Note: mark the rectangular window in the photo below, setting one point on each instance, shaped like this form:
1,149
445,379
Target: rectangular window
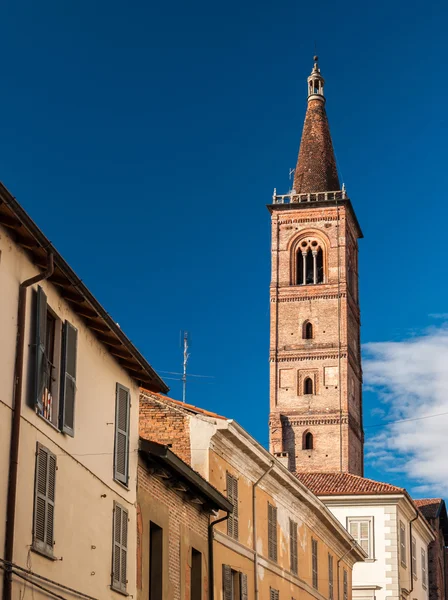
55,367
272,532
156,562
330,577
232,495
345,583
44,496
234,584
414,557
274,594
314,563
402,544
196,575
120,548
293,546
121,452
424,570
361,531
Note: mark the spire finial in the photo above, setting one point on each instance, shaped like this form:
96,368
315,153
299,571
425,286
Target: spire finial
316,82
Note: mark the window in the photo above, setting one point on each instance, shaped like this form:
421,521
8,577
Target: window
274,594
293,546
414,557
121,451
307,333
234,584
402,544
330,577
55,367
345,583
272,532
424,569
156,562
307,441
196,575
120,548
44,495
308,386
314,564
310,263
232,495
361,530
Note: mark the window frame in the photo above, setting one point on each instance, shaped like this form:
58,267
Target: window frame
371,529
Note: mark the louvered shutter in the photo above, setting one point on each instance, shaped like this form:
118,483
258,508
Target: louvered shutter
40,341
120,548
44,498
402,544
272,532
229,487
121,455
414,557
273,594
68,379
243,586
315,564
227,582
330,577
235,508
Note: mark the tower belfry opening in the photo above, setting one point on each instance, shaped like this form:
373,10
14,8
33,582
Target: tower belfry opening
315,368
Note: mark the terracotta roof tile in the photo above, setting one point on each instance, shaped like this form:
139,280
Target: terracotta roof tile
336,484
429,507
184,405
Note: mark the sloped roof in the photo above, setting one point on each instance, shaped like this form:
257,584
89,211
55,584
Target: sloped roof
429,507
183,405
339,484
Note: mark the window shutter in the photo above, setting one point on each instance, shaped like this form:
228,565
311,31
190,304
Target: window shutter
229,488
44,497
227,582
121,458
235,508
120,548
330,577
68,379
272,532
414,557
293,546
243,586
314,563
41,335
273,594
402,544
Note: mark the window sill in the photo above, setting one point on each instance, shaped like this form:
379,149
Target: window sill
126,487
49,422
48,555
114,589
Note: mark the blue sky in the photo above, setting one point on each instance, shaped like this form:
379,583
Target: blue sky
145,140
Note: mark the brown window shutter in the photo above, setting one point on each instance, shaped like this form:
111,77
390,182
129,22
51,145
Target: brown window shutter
121,454
273,594
272,532
229,488
227,582
243,586
68,379
232,495
40,341
293,546
120,548
44,500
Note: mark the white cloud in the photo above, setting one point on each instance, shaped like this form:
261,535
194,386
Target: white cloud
411,379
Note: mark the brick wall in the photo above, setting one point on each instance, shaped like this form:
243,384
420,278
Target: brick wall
185,526
436,563
166,424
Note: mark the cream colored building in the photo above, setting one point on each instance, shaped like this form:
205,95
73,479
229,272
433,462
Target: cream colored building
68,514
281,542
385,521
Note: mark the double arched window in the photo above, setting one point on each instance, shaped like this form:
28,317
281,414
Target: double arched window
308,386
307,440
310,263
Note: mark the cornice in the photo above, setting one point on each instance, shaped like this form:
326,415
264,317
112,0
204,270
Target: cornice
300,357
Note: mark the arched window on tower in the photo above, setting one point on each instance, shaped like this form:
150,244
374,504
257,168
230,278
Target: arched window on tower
308,386
307,333
310,263
307,441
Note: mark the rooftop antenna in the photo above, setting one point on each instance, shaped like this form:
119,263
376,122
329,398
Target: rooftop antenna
185,342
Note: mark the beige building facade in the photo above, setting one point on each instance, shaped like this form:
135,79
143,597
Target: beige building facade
69,390
280,542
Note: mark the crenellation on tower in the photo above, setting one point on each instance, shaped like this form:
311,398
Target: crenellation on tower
315,363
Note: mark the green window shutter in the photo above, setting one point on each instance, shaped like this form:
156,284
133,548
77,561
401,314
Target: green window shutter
40,340
120,548
121,454
243,586
227,582
68,379
44,500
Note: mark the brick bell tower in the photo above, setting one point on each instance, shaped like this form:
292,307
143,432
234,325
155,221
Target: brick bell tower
315,363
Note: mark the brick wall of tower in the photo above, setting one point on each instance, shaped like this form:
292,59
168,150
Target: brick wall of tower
336,379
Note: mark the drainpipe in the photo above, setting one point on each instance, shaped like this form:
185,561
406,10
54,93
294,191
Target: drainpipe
15,427
254,527
211,572
411,588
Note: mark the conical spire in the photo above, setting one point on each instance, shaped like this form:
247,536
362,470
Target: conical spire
316,165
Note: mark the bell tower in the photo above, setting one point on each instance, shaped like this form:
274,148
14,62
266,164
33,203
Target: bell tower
315,362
